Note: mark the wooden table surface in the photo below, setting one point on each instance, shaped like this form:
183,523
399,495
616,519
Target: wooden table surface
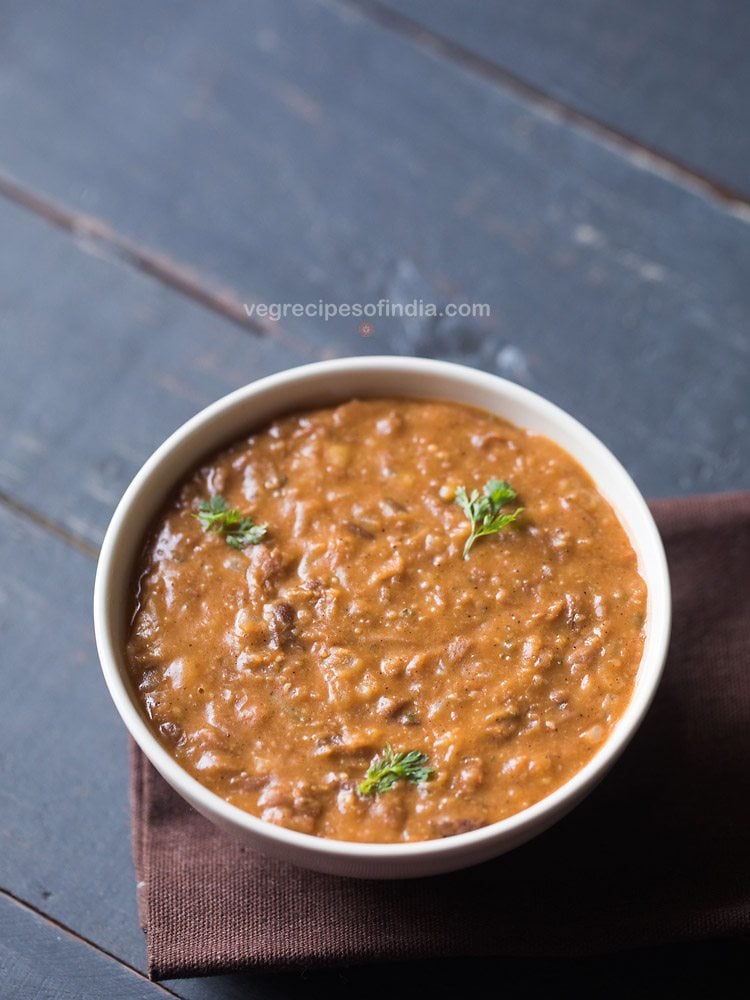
583,167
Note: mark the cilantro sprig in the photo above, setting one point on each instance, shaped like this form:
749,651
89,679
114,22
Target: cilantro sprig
385,771
484,510
239,530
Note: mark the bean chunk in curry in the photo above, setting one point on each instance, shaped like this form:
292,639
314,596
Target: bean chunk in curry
313,640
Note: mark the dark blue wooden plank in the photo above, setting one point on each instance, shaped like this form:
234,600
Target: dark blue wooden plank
297,151
99,364
39,961
64,835
672,75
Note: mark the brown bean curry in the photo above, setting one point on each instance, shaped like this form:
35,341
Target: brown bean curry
310,643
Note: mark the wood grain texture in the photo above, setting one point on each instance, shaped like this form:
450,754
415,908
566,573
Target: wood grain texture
99,364
673,76
39,961
292,152
64,836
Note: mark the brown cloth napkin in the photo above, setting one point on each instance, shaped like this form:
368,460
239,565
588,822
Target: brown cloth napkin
657,854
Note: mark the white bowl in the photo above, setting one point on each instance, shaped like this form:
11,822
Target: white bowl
320,384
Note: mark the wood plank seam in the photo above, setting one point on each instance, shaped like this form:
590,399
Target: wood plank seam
95,232
641,156
83,940
48,525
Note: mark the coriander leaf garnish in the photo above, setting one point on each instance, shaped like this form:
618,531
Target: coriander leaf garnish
385,771
239,530
484,509
213,514
246,534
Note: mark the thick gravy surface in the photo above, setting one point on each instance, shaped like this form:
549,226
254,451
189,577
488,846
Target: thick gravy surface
288,668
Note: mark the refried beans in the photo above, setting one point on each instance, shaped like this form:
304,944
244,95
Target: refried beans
310,643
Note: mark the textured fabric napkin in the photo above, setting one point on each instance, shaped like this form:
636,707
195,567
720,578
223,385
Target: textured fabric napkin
657,854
